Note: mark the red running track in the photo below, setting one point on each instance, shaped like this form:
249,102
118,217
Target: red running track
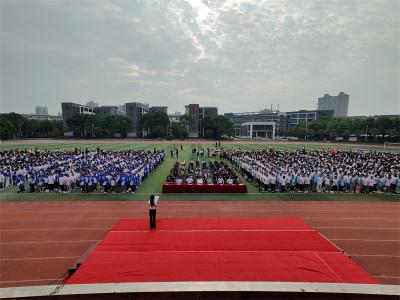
39,241
268,249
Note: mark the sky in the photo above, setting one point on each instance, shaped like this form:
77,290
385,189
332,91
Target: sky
238,55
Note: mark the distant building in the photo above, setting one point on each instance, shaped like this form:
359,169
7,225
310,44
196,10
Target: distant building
122,110
163,109
174,118
208,112
339,104
134,112
265,130
107,110
92,104
41,110
283,120
301,116
196,114
193,112
268,115
42,117
69,109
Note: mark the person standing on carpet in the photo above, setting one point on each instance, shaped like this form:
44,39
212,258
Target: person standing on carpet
153,203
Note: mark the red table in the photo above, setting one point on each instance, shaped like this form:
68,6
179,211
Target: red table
203,188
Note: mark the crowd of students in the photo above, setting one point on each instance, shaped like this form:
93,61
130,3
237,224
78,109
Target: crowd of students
88,171
216,172
319,171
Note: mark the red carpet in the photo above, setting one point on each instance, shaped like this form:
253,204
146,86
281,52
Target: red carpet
217,250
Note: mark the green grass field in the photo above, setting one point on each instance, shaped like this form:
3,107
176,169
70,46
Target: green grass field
153,184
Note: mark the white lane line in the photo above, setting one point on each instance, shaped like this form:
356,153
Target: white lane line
375,255
56,229
210,251
328,266
364,240
32,280
42,242
366,228
39,258
63,220
180,212
220,230
241,210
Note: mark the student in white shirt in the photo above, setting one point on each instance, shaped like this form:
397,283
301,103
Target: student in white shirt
153,204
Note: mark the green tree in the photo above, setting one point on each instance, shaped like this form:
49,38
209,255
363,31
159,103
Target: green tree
155,123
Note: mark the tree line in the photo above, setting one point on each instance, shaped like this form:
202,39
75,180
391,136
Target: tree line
155,124
14,125
158,125
370,129
96,126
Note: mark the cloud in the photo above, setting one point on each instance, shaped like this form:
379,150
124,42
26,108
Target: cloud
135,71
240,54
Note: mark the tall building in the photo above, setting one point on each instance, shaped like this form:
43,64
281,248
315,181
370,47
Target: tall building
339,104
41,110
107,110
193,112
301,116
208,112
69,109
134,112
163,109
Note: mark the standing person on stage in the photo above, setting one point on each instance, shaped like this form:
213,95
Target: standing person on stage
153,203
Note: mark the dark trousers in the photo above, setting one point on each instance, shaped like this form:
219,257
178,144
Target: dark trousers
152,214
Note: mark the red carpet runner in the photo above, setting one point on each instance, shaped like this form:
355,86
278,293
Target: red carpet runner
217,250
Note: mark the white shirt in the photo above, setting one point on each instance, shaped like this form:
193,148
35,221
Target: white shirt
156,198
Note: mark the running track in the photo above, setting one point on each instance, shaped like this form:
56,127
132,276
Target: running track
39,241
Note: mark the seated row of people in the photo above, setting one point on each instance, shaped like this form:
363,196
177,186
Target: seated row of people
200,173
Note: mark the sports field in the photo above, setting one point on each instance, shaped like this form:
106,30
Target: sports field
43,234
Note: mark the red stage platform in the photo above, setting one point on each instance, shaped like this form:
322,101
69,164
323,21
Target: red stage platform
204,188
278,249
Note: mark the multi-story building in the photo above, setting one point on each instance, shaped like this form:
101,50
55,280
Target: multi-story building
264,130
41,110
107,110
193,112
196,114
174,118
339,104
301,116
134,112
208,112
265,115
283,120
69,109
42,117
163,109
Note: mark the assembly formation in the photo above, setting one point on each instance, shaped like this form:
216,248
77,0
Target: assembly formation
271,170
88,171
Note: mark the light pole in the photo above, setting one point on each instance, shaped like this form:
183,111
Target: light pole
305,133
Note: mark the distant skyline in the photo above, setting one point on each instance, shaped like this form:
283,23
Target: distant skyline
238,55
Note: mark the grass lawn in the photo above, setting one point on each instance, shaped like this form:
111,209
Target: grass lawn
154,183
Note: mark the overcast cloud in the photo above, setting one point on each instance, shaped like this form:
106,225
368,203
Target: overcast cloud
238,55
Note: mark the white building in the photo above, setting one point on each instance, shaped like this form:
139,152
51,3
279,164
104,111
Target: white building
251,130
41,110
339,104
